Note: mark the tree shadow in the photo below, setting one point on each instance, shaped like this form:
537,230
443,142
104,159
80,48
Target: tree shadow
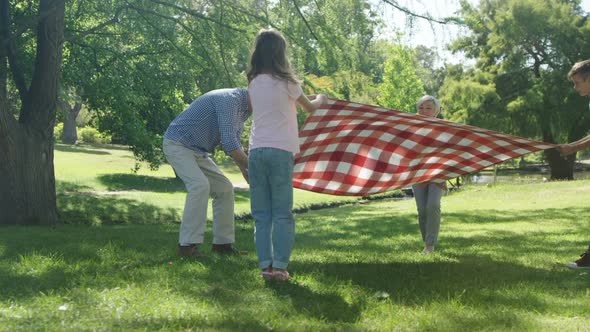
109,253
226,289
473,281
78,149
241,195
127,181
99,258
86,208
328,306
373,231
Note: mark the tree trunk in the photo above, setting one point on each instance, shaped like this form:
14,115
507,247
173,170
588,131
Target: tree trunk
27,178
561,168
70,132
27,190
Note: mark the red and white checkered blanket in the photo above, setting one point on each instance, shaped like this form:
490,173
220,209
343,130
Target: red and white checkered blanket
356,150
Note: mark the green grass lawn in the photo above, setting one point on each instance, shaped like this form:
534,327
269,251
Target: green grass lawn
357,267
96,185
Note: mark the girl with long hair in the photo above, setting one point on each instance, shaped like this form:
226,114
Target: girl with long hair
274,92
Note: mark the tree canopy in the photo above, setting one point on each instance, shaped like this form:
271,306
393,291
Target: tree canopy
136,64
523,51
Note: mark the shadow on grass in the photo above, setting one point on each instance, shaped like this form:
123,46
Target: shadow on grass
328,306
79,149
87,208
371,231
471,285
241,195
475,291
55,259
128,181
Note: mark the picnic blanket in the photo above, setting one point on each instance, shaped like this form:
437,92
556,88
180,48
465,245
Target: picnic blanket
352,149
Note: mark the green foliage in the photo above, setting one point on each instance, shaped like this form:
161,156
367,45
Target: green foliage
84,117
57,132
526,48
93,136
472,99
142,69
432,77
96,184
149,59
401,87
136,64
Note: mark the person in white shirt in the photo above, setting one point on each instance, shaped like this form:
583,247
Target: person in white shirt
274,93
580,76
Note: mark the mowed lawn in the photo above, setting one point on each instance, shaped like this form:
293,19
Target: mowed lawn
356,267
96,185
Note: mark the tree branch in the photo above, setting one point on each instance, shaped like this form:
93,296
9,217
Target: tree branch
9,50
444,20
195,13
186,28
305,20
39,106
27,25
222,48
83,34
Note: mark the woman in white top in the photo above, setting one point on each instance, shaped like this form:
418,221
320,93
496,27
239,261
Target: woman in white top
274,93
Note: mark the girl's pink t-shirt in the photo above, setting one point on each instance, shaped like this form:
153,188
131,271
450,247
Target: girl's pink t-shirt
274,113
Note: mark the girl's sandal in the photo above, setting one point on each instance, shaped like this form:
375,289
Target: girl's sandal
281,275
267,274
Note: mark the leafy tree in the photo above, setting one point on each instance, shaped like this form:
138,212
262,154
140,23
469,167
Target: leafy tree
528,46
471,98
432,77
401,87
137,63
148,59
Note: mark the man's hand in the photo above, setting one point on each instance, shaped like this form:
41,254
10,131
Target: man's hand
241,159
244,171
566,149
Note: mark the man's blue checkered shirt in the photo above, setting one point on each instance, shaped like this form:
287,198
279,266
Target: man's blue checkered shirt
215,117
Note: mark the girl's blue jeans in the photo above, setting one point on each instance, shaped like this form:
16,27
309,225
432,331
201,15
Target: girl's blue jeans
271,200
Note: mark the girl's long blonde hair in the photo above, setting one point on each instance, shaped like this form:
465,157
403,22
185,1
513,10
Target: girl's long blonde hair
270,57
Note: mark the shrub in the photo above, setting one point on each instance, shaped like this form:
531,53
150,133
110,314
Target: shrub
91,135
57,131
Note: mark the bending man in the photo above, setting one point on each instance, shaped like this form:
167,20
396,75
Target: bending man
215,118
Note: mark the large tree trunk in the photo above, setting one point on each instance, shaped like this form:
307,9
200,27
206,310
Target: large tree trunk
27,179
561,168
27,191
70,132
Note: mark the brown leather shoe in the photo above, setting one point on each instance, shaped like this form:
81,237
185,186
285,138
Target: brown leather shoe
190,251
227,249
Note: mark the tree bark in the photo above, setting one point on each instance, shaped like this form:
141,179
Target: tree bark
561,168
27,191
27,178
70,132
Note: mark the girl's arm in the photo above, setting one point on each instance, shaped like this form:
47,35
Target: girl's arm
312,105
